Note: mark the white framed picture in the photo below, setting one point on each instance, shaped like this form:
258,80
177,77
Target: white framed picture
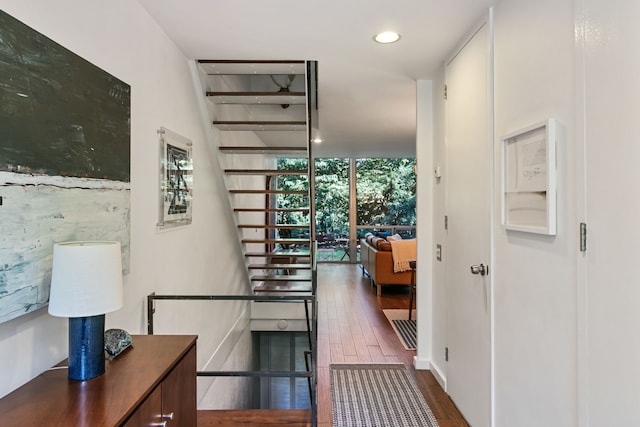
529,178
176,179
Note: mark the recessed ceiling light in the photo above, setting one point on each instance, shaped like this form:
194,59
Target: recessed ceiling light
387,37
317,140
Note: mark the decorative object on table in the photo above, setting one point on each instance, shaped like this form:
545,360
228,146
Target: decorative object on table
116,341
377,395
529,178
176,179
64,160
86,283
404,328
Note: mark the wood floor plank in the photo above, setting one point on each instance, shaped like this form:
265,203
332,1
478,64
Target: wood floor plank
334,332
324,351
337,356
255,417
376,356
347,340
324,396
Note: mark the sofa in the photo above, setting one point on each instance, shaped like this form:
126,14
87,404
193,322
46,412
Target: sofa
377,263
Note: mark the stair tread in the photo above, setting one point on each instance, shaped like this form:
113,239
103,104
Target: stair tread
301,254
266,171
279,266
244,191
273,210
279,287
261,150
280,226
255,417
259,122
239,94
281,278
277,241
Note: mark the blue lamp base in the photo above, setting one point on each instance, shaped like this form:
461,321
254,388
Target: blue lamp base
86,347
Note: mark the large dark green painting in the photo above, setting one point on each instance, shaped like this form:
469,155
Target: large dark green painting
64,160
59,114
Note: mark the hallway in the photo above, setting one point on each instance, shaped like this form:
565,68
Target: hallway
353,329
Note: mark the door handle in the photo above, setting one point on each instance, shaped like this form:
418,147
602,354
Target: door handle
481,269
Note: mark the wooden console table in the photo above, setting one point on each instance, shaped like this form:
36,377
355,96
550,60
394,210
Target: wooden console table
151,383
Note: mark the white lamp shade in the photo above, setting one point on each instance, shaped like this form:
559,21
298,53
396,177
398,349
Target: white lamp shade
86,279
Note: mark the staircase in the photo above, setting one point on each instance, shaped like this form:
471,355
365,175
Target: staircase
264,116
262,113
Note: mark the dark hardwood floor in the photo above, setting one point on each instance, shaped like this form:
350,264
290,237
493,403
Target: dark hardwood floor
353,329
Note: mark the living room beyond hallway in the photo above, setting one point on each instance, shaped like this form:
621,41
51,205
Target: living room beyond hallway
352,328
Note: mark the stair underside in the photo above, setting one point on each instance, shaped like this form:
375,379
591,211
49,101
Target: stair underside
281,151
239,67
292,125
258,98
255,417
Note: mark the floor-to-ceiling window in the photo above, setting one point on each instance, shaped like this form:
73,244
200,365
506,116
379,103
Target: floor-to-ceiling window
386,196
353,197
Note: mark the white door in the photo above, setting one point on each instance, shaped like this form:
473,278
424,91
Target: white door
469,198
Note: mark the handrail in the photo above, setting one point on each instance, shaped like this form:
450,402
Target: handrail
312,328
312,132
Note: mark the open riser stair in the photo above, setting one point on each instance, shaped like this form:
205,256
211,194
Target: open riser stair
262,114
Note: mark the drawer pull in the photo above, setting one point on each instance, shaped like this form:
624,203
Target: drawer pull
168,416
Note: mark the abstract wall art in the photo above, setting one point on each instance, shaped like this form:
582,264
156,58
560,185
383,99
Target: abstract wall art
64,160
176,179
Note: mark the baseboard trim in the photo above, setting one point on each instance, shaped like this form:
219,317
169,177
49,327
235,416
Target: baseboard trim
439,376
421,364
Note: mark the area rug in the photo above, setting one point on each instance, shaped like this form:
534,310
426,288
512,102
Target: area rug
404,328
377,395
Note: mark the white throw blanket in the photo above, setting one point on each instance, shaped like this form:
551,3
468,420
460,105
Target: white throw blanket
403,251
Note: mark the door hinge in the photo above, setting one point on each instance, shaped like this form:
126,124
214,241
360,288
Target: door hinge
583,237
445,91
446,354
446,222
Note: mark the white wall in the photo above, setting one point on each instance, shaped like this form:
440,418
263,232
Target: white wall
534,275
431,153
202,258
424,211
608,35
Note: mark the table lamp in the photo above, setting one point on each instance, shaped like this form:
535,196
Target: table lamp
86,283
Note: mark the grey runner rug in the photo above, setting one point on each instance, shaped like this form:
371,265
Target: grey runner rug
381,395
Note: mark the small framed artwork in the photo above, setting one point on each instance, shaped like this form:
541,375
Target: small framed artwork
176,179
529,178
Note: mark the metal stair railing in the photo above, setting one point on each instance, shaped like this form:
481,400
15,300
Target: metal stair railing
312,327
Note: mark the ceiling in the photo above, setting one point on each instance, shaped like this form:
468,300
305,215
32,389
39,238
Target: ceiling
366,91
